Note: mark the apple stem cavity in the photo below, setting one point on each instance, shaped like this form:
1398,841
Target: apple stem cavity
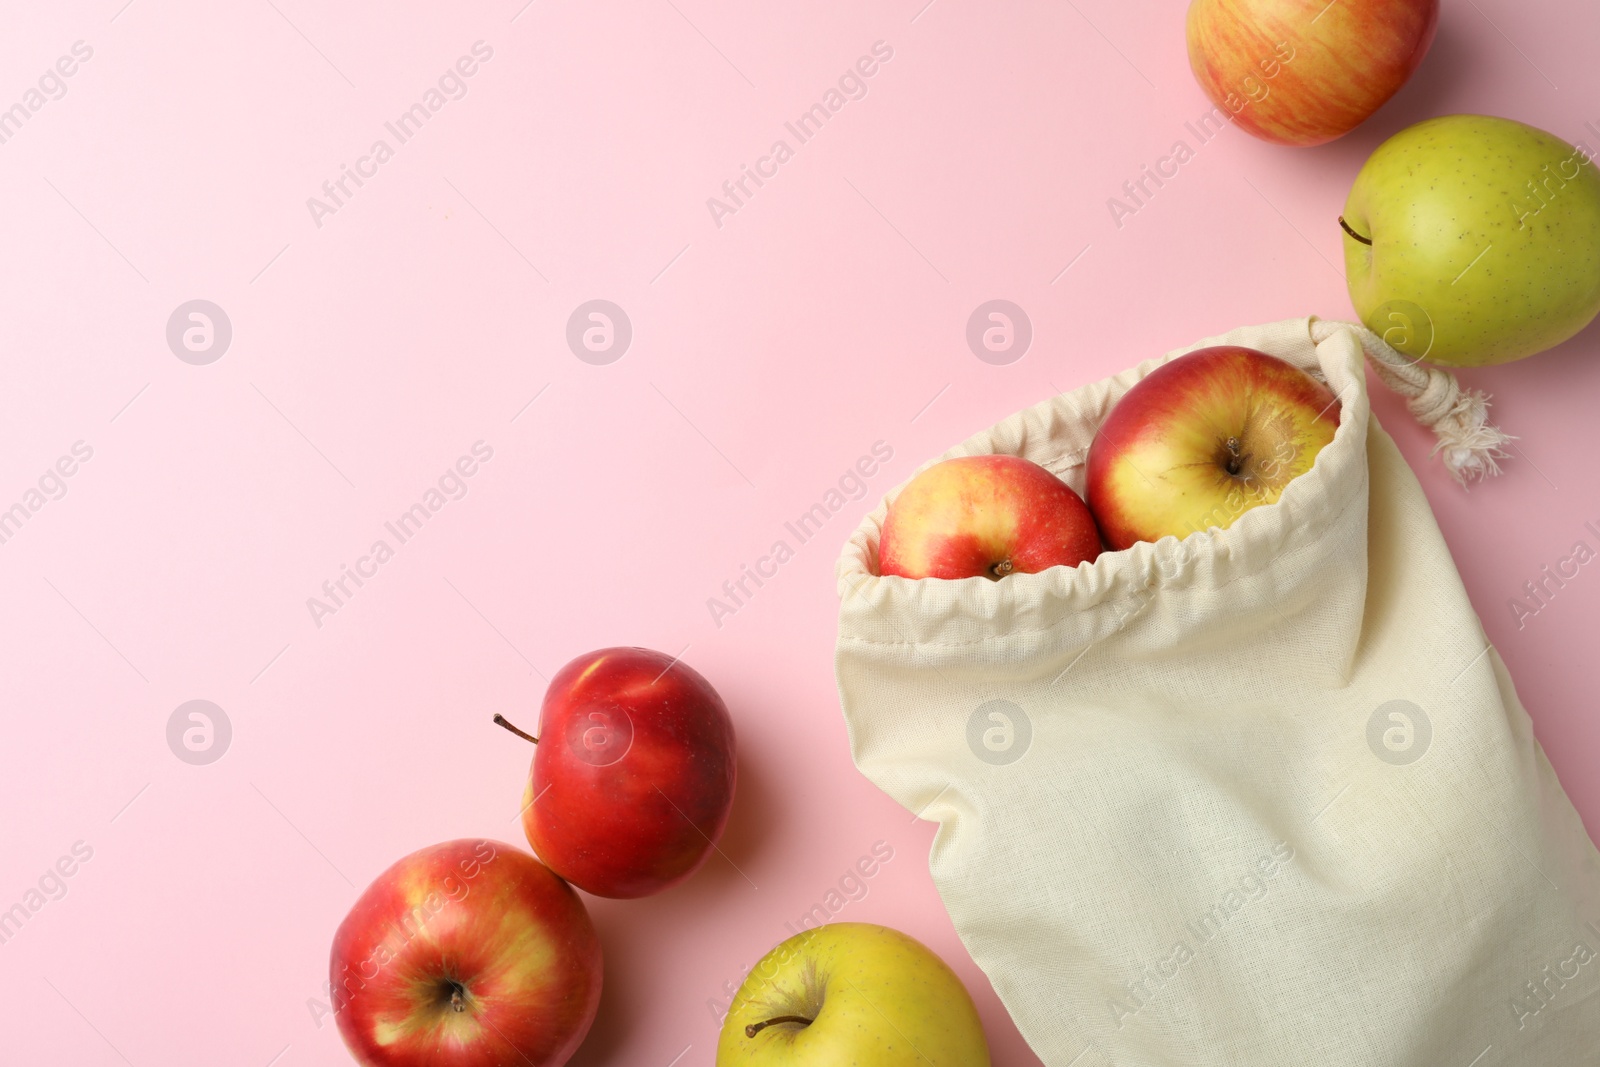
755,1028
1352,233
501,719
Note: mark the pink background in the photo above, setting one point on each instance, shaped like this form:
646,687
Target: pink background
768,354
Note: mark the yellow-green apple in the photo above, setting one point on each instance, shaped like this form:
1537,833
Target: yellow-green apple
1202,439
988,516
1472,240
470,953
852,993
1302,72
633,776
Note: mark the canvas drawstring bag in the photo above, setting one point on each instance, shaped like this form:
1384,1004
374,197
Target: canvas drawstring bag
1260,797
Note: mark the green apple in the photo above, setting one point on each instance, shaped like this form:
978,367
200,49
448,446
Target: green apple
852,993
1472,240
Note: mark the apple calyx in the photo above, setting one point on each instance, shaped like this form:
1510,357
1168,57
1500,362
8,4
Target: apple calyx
458,995
755,1028
501,720
1001,568
1352,233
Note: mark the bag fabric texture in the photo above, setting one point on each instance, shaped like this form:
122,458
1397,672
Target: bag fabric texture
1262,796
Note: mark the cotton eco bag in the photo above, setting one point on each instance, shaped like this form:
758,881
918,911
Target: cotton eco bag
1264,796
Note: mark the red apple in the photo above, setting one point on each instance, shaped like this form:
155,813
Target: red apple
1202,439
466,954
634,774
1303,72
988,516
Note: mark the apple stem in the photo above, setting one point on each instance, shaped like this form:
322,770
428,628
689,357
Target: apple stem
755,1028
1352,233
457,1002
501,719
1234,459
1001,569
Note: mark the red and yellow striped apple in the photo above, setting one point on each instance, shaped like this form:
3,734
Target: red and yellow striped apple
986,516
633,776
1303,72
470,953
1202,439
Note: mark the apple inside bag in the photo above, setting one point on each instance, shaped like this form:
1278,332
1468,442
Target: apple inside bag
1264,794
